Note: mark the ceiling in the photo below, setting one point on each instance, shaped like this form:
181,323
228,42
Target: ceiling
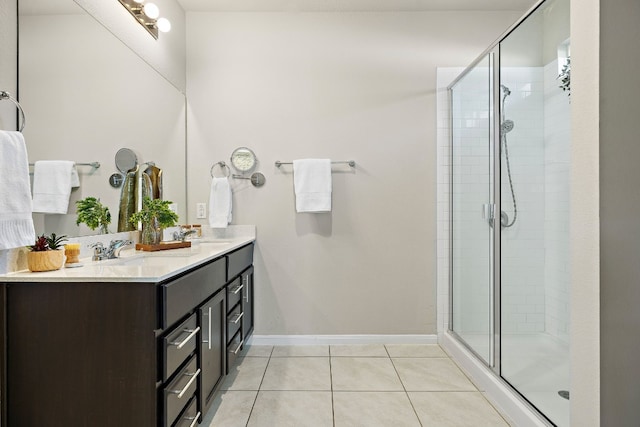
351,5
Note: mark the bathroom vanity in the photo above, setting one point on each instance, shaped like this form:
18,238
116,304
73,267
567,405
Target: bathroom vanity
144,340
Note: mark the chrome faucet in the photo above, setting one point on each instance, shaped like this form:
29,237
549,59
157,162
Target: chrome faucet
182,234
113,251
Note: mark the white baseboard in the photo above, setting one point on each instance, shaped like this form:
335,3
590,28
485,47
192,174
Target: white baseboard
508,402
341,339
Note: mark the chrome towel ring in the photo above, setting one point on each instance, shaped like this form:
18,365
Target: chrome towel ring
222,165
6,95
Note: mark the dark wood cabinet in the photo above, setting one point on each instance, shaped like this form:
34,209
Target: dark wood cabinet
247,302
212,347
137,354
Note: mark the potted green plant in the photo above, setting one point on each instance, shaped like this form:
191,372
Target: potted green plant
47,253
93,213
154,216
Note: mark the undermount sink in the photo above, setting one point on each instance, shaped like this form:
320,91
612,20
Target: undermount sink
149,258
221,242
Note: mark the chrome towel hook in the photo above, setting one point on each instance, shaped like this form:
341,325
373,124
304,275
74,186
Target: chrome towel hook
6,95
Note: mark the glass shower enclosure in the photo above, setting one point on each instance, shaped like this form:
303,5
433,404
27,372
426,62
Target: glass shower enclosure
509,216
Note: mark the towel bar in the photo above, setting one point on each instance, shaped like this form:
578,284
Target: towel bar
6,95
351,163
95,165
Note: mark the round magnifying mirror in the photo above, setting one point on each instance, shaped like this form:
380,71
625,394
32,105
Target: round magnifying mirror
115,180
126,160
243,159
258,179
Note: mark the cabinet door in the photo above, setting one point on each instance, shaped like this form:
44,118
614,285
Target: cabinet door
212,316
247,303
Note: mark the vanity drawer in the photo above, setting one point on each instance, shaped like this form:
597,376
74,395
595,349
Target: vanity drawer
239,260
190,416
178,345
179,392
234,320
234,292
187,292
233,351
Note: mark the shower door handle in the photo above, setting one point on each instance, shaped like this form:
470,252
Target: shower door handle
488,212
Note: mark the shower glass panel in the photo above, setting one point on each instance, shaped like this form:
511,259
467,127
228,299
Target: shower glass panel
534,265
472,207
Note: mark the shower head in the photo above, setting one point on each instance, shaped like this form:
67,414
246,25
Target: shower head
506,126
506,90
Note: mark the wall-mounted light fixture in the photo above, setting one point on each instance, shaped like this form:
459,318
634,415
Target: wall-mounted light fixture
147,15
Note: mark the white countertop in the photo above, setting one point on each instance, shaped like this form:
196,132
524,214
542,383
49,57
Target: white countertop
137,266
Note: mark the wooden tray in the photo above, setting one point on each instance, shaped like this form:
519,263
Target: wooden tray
162,246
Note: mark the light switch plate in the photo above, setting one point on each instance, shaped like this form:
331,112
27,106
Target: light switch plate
201,210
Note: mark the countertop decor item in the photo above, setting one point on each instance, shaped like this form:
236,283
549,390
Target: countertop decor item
72,252
47,253
154,216
565,77
162,246
93,213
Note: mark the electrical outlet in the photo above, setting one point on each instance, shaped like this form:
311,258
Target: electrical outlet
201,210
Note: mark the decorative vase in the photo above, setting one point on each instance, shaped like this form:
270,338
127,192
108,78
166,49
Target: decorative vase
151,233
45,260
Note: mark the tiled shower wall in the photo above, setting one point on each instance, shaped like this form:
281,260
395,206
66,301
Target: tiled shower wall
535,250
557,136
522,250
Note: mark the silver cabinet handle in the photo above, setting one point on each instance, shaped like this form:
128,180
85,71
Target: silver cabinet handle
246,294
181,393
239,347
238,317
209,328
195,420
237,289
192,333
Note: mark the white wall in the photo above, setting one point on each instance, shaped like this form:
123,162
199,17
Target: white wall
166,54
9,62
346,86
584,213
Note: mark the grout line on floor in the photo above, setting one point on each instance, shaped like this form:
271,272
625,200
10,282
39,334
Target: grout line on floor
259,387
403,387
333,409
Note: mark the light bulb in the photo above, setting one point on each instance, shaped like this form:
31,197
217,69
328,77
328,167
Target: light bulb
164,25
151,10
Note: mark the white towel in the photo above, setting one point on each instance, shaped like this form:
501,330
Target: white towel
312,185
16,222
52,183
220,205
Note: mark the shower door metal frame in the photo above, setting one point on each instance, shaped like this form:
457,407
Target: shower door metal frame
494,365
494,52
495,166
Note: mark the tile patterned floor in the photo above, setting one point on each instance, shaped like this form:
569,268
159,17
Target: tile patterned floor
349,386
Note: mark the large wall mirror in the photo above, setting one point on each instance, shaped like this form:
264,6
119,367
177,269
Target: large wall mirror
87,95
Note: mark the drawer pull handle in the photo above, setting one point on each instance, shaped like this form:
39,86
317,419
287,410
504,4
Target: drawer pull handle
237,289
209,340
238,317
181,393
192,333
239,347
194,419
